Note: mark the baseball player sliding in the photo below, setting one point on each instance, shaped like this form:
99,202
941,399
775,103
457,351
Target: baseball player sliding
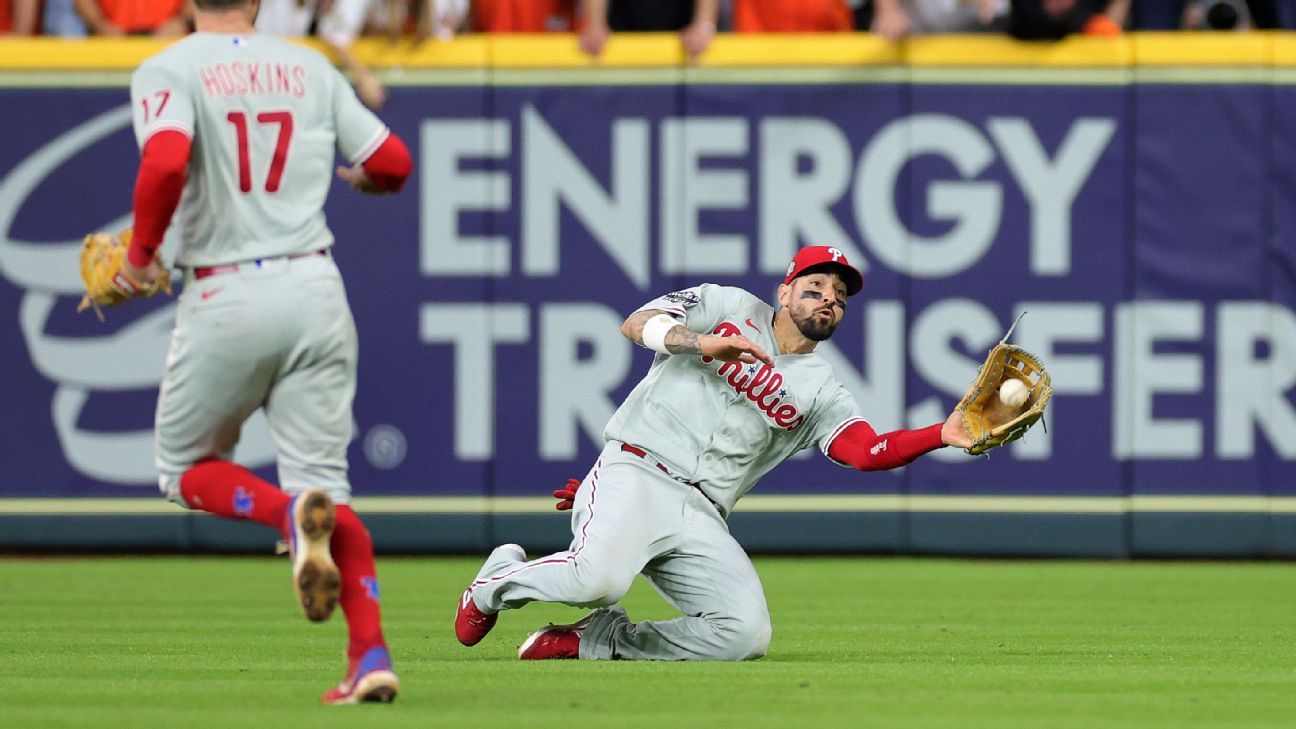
736,388
238,132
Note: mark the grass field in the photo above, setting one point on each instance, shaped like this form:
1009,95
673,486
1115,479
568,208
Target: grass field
217,642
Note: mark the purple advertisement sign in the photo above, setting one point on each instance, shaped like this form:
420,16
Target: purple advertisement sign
1148,230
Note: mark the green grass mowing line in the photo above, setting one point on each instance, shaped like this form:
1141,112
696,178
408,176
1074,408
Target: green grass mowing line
216,642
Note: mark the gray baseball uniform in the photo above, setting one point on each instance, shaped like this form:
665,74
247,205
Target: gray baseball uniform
689,441
263,320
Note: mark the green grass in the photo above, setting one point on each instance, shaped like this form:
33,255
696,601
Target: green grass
217,642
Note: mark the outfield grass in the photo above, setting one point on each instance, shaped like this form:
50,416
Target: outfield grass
217,642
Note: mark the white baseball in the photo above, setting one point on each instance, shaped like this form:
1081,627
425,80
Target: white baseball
1013,393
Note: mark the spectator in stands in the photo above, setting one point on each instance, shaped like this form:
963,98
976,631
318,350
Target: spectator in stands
60,18
162,18
523,16
695,19
791,16
959,16
439,19
895,19
1213,14
338,24
18,17
1055,19
1217,15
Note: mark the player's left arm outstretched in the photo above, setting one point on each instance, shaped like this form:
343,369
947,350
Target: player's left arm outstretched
853,442
864,449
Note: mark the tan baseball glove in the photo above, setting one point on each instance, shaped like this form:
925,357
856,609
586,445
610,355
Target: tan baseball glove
990,420
106,281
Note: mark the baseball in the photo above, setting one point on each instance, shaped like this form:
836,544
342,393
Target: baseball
1013,393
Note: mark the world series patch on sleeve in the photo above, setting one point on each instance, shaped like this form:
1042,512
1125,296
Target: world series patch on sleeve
1008,396
106,282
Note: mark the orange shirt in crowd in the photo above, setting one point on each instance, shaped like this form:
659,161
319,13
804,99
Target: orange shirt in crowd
791,16
523,16
6,16
139,15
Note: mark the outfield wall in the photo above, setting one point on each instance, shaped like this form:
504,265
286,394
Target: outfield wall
1134,195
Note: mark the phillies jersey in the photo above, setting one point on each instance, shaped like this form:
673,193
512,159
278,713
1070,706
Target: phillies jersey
724,425
264,117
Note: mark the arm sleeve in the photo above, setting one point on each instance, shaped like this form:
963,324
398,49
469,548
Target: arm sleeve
158,187
359,131
857,445
390,165
848,440
699,308
160,101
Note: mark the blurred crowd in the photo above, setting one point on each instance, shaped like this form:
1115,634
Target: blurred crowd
340,22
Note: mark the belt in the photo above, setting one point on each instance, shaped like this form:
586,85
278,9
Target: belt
200,272
637,451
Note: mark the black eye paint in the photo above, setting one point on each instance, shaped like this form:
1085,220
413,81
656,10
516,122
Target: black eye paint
812,295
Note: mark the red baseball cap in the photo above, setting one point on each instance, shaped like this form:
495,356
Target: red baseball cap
815,258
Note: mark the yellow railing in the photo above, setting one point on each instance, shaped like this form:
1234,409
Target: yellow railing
657,50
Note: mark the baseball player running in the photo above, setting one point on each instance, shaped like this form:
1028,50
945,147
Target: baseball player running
735,389
238,132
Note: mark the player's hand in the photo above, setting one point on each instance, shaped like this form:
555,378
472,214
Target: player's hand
567,495
355,177
143,277
736,348
953,433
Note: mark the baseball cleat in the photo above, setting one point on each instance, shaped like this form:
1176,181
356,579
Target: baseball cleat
554,642
368,679
315,577
471,623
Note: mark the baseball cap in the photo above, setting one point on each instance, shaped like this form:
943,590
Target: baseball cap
814,258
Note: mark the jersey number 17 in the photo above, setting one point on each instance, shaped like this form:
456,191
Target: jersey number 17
285,121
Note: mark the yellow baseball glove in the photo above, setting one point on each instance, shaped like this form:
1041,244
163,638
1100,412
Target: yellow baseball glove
991,420
106,281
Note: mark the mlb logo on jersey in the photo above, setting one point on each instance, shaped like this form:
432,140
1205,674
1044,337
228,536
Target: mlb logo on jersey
683,298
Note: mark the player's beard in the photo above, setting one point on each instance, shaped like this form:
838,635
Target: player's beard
814,330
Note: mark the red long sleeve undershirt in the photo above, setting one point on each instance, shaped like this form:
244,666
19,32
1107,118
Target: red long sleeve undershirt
390,165
164,164
860,447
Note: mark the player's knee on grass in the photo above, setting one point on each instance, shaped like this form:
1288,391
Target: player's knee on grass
743,636
597,586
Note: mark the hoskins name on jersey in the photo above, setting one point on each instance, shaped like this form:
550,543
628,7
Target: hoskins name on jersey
763,386
270,79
